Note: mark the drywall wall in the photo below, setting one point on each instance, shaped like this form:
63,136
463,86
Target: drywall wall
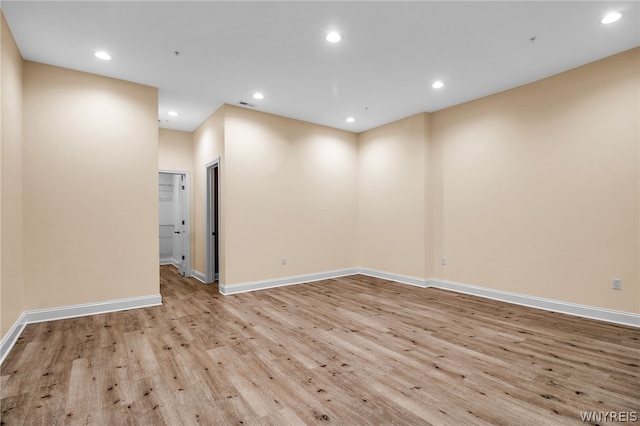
485,184
11,256
391,197
208,145
175,150
290,190
90,188
539,192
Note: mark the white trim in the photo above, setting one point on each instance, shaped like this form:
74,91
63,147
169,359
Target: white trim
198,276
403,279
173,172
585,311
279,282
11,337
602,314
172,262
73,311
34,316
209,275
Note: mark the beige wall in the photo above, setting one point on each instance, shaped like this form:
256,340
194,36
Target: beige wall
288,189
90,188
11,256
539,191
509,188
391,197
291,191
175,150
208,145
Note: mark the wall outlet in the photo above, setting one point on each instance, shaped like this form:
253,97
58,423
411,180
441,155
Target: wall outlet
617,284
443,261
284,260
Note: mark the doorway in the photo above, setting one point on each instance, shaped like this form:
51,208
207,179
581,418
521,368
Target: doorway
174,213
213,222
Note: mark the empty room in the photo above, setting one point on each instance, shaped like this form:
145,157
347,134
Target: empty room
301,212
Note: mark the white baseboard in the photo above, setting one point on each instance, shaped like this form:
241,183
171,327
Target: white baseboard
586,311
608,315
11,337
96,308
198,276
279,282
403,279
300,279
73,311
618,317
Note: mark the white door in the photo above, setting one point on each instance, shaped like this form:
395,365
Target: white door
174,222
180,223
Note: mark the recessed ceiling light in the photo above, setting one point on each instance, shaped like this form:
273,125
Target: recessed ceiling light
437,84
173,113
612,17
101,54
334,37
350,119
258,95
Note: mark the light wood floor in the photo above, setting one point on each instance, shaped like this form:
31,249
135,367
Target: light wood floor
354,350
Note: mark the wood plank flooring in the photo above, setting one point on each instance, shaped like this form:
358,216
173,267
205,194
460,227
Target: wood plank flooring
349,351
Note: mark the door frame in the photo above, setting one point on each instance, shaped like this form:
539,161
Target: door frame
210,223
187,217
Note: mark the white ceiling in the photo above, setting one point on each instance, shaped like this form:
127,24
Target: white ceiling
381,71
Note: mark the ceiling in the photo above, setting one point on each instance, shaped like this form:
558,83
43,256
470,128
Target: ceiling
382,70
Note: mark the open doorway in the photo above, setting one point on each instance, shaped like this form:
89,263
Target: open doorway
174,209
213,222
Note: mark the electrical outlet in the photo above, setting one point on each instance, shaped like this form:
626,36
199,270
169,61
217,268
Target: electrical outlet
443,261
617,284
284,260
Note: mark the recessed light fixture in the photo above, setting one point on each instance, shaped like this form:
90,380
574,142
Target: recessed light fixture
437,84
101,54
334,37
173,113
612,17
258,95
350,119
